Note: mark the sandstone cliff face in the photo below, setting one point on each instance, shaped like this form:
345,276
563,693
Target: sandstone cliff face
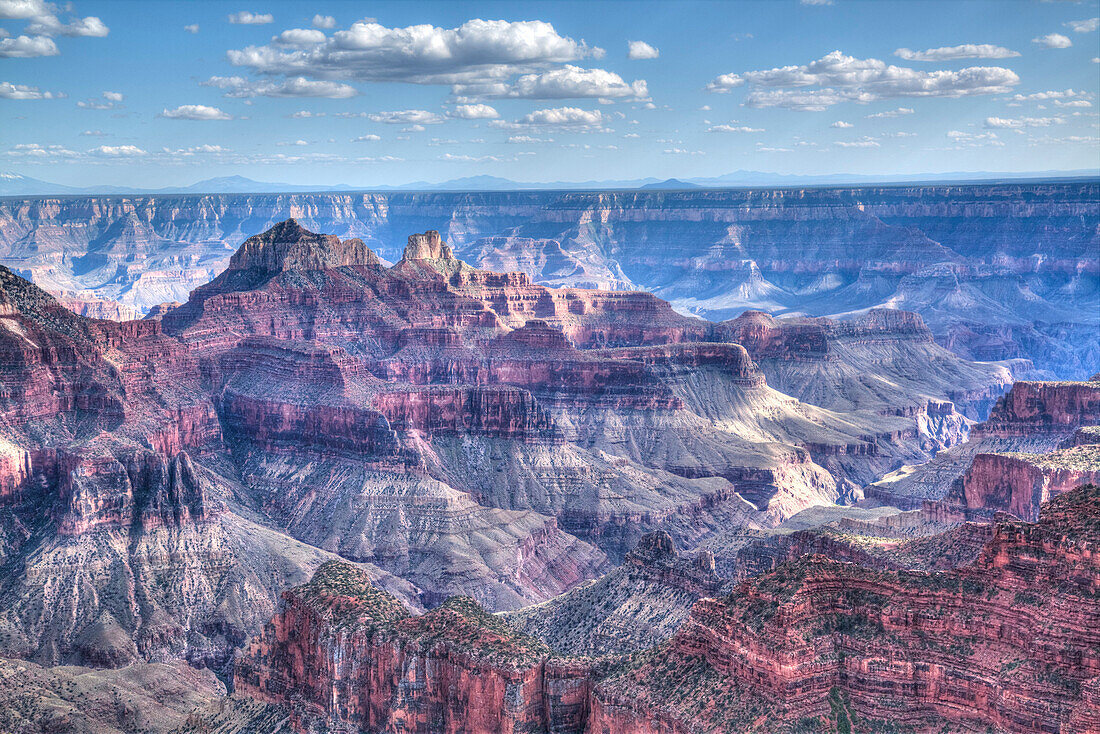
1009,642
346,653
1032,418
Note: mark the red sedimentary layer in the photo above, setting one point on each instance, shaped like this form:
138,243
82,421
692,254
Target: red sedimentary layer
1033,407
1012,641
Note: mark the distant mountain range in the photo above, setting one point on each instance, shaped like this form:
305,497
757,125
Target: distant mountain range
16,184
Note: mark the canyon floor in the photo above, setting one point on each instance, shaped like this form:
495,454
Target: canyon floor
323,492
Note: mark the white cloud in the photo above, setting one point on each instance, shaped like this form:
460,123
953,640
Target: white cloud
477,53
1073,103
195,112
681,151
1083,26
641,50
305,115
816,2
1022,122
734,129
1053,94
299,38
891,113
25,92
528,140
369,138
724,83
974,140
413,129
27,47
246,18
468,158
864,142
401,117
474,112
324,21
237,86
842,78
193,28
563,117
1053,40
287,143
94,134
117,151
841,124
111,102
965,51
567,82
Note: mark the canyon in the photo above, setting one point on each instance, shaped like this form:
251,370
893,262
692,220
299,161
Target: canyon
1009,642
997,271
426,496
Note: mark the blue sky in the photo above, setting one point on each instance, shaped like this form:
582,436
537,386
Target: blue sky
165,93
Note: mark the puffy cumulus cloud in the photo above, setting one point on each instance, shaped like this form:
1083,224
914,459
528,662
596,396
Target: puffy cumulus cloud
42,20
1022,122
641,50
94,134
406,117
899,112
305,115
567,82
287,143
25,92
479,52
299,38
528,140
195,112
380,159
474,112
113,96
842,78
570,117
840,124
1083,26
324,21
246,18
192,28
974,140
681,151
368,138
27,47
724,83
117,151
238,86
1073,103
734,129
965,51
462,158
1053,40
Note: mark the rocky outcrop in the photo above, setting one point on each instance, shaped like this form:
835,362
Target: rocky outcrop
345,653
289,246
635,606
1009,642
1032,418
